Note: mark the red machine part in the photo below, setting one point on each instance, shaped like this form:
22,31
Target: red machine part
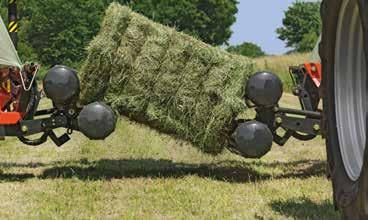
314,70
9,95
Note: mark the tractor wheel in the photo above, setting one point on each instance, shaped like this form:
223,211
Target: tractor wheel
343,52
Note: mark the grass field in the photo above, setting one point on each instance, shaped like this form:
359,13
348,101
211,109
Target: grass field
140,174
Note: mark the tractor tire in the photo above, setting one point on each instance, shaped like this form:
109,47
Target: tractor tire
344,90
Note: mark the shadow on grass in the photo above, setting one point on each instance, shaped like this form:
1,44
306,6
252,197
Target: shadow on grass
229,171
15,177
304,208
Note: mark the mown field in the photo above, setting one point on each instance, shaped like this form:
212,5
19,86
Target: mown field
138,173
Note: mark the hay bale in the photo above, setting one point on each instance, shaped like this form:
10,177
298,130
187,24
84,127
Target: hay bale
165,79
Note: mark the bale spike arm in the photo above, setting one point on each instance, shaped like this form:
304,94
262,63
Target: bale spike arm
253,138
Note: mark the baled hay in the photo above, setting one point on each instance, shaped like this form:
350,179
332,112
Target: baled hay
165,79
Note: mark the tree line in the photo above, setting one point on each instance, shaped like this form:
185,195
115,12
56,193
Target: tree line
58,31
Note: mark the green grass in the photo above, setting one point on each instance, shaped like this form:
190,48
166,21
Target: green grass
138,173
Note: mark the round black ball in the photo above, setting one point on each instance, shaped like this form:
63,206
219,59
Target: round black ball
264,89
61,85
253,139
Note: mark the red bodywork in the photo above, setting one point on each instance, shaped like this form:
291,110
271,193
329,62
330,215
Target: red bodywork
314,70
9,98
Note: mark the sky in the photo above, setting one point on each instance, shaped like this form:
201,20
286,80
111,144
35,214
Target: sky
257,21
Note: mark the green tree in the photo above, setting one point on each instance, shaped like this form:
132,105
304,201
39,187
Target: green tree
25,50
208,20
57,31
247,49
3,11
301,26
309,42
60,30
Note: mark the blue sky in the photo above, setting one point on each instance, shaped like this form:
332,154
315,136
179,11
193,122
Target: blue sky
257,22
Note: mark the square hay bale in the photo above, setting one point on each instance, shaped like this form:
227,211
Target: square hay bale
165,79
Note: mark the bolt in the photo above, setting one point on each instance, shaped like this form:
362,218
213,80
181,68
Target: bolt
24,129
316,127
71,111
314,69
278,120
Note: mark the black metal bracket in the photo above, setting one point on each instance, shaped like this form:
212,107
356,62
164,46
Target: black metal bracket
300,124
303,125
44,126
59,141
